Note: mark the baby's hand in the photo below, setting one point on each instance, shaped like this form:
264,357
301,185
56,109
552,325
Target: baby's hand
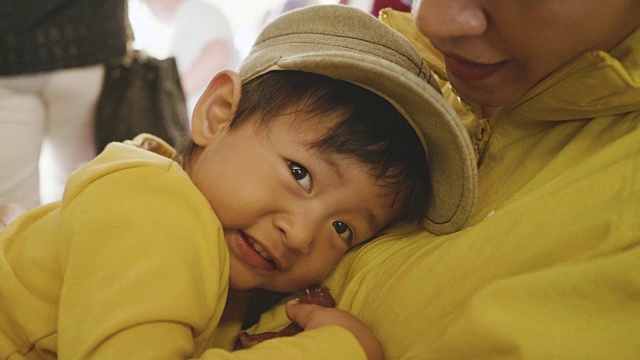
314,310
310,316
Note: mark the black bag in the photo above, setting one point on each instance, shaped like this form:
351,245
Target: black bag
141,94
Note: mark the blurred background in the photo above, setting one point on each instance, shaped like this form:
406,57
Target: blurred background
55,81
245,18
206,36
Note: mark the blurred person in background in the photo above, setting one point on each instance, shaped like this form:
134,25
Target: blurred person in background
51,74
195,32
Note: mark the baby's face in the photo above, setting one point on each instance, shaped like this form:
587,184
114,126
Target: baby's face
289,213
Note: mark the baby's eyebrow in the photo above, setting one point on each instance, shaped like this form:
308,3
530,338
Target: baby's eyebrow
330,160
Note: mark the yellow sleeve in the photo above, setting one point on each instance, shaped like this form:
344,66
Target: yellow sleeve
145,267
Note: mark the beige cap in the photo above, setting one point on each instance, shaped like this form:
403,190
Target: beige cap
345,43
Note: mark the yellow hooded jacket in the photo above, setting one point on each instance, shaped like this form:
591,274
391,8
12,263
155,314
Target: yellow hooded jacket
548,266
131,264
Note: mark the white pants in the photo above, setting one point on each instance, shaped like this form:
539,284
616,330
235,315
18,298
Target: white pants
46,131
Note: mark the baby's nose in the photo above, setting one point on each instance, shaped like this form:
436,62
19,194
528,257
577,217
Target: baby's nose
298,231
442,19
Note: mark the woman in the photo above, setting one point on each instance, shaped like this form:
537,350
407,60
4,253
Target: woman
548,265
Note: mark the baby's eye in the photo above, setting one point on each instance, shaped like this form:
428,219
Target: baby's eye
301,175
344,231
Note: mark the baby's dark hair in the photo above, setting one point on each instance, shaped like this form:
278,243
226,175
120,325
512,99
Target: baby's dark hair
369,129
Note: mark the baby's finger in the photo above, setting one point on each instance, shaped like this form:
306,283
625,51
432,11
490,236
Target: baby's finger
305,315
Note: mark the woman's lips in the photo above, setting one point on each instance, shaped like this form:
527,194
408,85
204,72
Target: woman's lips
250,255
468,71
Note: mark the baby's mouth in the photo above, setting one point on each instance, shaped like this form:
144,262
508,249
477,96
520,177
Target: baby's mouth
258,248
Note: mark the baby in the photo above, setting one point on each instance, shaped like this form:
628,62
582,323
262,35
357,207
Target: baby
317,144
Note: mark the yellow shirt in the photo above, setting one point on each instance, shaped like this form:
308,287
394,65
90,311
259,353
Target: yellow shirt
131,261
131,264
548,267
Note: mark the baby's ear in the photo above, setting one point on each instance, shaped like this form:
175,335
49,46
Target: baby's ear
216,107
